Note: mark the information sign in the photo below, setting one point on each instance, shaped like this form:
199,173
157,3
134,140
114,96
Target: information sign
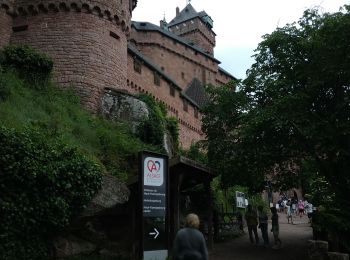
154,172
240,200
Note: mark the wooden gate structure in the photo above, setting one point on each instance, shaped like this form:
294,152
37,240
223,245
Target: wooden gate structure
189,192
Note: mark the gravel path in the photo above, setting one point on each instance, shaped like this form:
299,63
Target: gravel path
294,244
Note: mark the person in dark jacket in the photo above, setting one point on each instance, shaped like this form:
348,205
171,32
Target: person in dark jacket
252,222
263,224
189,242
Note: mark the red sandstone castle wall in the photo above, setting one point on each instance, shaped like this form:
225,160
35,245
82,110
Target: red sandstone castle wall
197,32
222,79
88,43
182,64
199,39
176,58
190,126
87,40
5,24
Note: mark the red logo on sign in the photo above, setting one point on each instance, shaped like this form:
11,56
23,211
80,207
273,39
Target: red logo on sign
153,166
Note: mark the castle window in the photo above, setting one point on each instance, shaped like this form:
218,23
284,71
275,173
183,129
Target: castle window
182,75
162,68
156,79
196,113
185,105
172,91
20,28
114,35
137,66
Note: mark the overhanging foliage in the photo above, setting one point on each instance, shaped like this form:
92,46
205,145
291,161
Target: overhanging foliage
293,107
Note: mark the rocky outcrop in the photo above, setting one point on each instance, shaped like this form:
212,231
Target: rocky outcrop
71,246
117,105
94,232
318,250
113,192
337,256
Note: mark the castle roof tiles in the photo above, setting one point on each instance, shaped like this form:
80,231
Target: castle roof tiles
188,13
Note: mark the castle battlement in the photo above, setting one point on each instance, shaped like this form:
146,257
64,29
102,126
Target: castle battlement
106,9
87,40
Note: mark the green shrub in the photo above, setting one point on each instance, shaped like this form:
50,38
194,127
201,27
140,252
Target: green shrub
4,88
31,65
152,129
43,185
58,113
196,152
172,126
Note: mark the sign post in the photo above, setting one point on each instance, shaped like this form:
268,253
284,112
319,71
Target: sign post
154,179
240,200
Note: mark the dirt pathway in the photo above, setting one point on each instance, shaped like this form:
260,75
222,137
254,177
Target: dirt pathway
294,244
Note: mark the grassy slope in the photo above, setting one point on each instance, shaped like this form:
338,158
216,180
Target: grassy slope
58,113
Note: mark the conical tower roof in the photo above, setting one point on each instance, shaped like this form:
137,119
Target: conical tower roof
187,13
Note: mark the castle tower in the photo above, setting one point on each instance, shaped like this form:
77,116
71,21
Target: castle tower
6,7
195,27
87,40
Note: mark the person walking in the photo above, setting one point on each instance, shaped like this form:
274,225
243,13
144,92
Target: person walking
275,229
309,211
251,218
263,225
301,208
189,243
294,203
289,211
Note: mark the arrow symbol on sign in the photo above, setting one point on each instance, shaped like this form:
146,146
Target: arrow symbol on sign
155,234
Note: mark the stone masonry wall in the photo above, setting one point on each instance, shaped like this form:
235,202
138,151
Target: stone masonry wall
176,58
5,23
196,31
200,39
182,64
87,41
190,126
222,79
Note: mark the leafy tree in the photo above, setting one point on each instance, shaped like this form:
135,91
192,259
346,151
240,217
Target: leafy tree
31,65
292,108
44,185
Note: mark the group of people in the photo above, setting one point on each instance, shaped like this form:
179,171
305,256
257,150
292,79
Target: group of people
189,242
260,219
295,207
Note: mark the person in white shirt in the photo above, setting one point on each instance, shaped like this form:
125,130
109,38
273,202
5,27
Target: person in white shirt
309,211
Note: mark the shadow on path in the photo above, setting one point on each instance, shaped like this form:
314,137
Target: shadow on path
294,244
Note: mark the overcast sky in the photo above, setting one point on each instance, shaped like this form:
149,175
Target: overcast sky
239,24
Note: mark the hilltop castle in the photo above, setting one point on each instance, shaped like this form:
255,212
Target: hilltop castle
95,46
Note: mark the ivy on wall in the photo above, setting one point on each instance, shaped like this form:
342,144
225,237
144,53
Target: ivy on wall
153,128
